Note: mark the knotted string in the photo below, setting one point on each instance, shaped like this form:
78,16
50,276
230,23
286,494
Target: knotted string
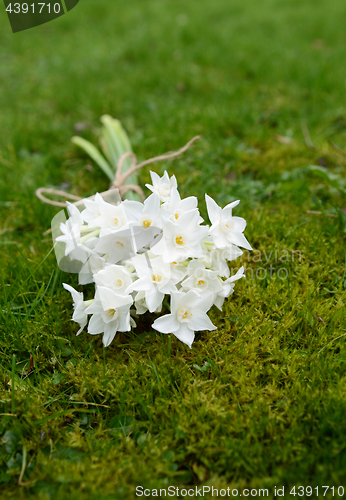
119,180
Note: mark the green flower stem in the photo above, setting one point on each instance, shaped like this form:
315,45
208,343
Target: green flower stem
86,229
89,236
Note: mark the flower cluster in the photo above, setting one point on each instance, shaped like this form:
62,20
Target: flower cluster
140,255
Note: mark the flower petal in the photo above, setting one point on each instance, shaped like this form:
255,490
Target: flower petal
96,324
110,331
112,300
201,321
166,324
239,239
76,296
185,334
154,299
214,211
227,210
239,224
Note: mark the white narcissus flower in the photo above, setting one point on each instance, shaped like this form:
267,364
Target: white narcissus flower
188,314
154,280
202,280
115,277
93,265
141,304
145,214
92,210
79,314
112,218
162,185
228,288
176,207
77,247
181,239
144,219
74,213
117,247
71,238
71,230
178,270
220,256
225,228
110,314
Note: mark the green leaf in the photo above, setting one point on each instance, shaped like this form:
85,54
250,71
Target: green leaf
69,454
120,424
120,421
338,313
94,153
185,476
4,478
65,352
115,143
58,377
204,367
329,177
108,151
11,441
113,140
116,135
141,439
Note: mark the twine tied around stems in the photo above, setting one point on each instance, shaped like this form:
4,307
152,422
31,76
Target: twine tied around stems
119,180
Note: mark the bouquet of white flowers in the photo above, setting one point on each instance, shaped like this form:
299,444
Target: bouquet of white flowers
142,254
138,254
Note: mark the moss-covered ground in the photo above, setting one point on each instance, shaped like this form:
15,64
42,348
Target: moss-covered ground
259,403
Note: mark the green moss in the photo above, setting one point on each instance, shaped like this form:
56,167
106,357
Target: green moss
261,401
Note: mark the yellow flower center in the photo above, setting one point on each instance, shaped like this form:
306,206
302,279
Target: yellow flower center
146,223
111,312
119,243
115,221
179,240
157,278
176,216
184,315
200,282
227,225
119,283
